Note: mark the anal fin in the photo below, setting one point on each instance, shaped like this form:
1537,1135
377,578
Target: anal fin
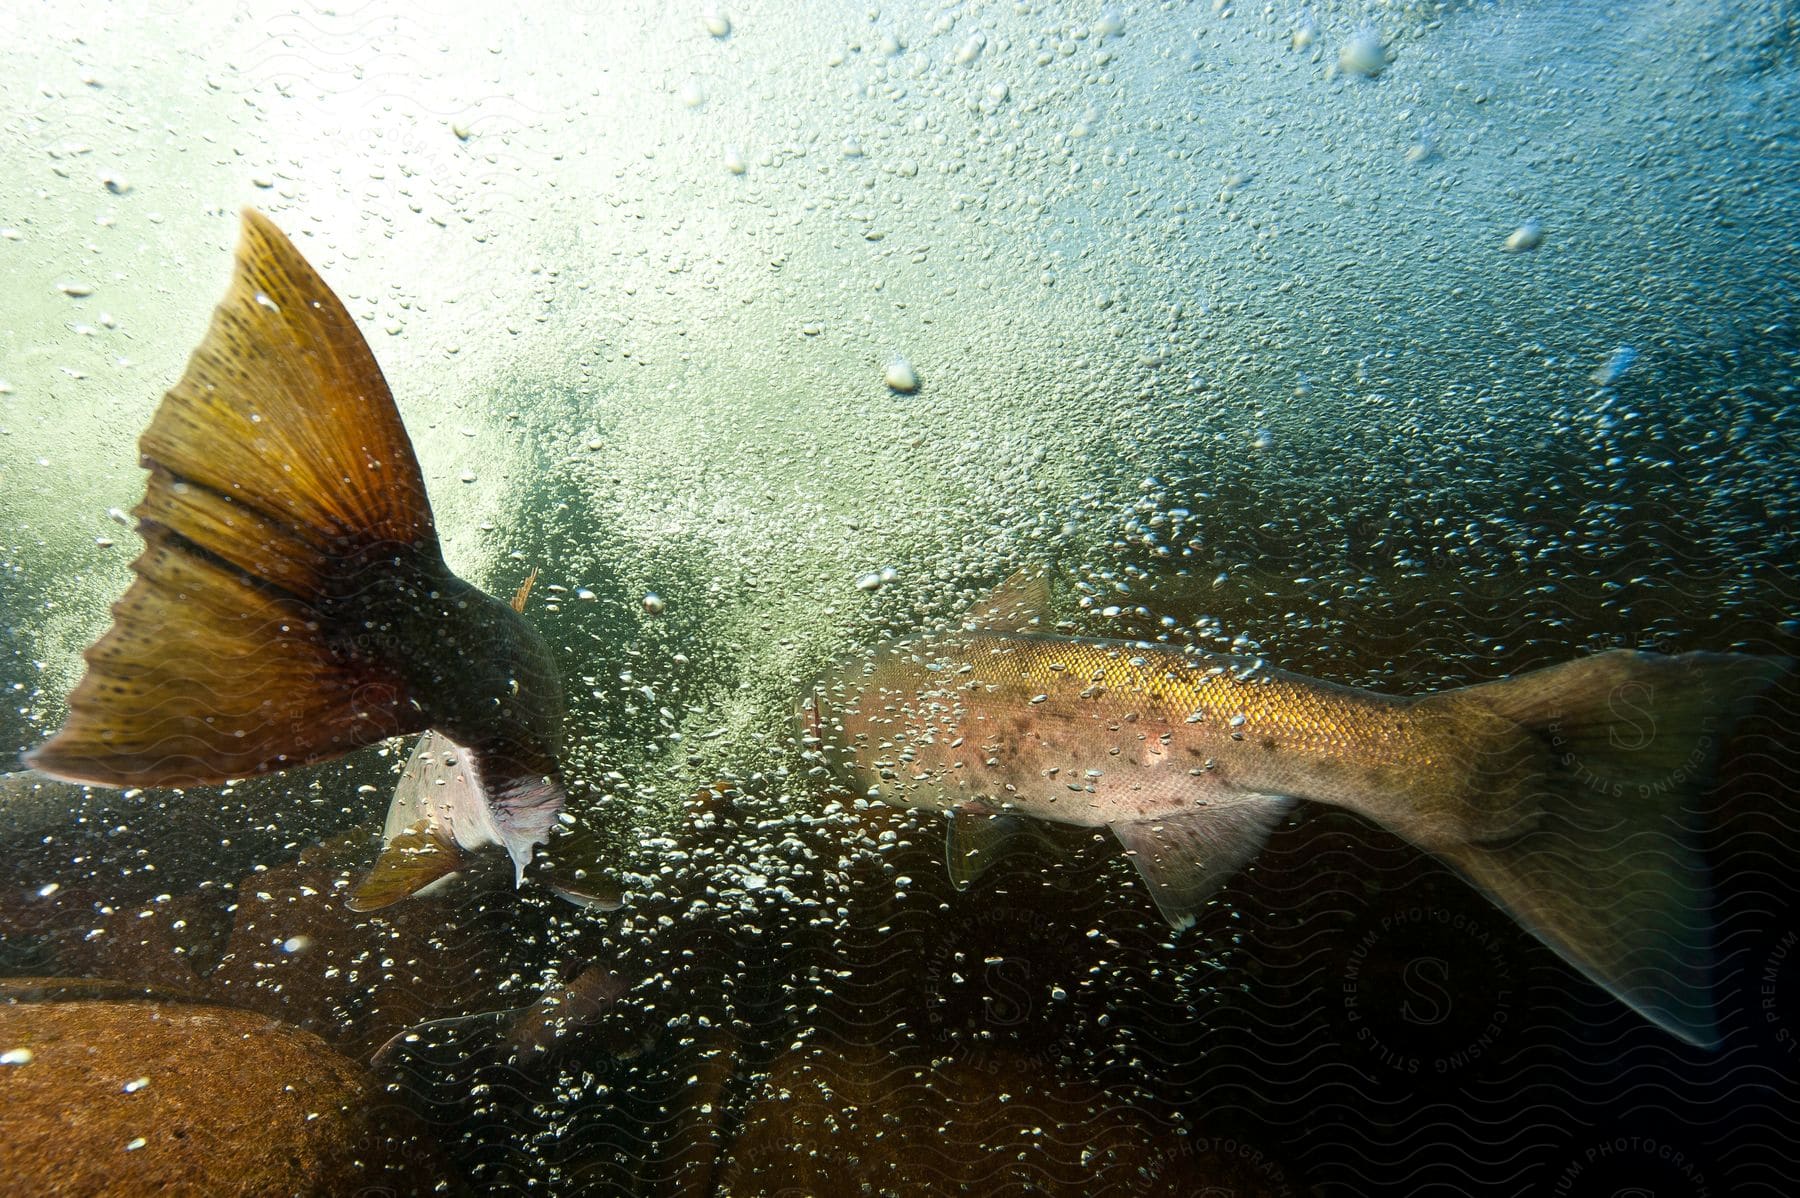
1186,856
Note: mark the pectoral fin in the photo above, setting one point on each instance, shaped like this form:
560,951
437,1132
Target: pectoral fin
1184,858
570,866
438,812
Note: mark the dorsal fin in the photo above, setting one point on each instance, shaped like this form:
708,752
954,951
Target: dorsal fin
561,1011
280,478
524,592
1016,605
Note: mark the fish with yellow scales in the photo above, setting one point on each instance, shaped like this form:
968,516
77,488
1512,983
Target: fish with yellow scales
1565,794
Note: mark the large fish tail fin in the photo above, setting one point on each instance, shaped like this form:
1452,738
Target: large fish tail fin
283,500
1607,869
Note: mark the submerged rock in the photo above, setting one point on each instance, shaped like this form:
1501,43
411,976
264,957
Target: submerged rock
282,942
849,1118
149,1097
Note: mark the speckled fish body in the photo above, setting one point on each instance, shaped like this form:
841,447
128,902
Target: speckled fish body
1097,733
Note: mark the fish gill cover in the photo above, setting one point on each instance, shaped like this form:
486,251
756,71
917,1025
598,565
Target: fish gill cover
1412,345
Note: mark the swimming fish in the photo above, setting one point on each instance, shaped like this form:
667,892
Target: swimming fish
1563,794
292,603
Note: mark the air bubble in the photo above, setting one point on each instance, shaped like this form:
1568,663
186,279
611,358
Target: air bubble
1527,236
1363,55
900,376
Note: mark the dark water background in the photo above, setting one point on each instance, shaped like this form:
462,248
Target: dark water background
1350,1018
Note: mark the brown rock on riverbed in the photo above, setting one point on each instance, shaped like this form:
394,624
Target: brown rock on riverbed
282,942
851,1119
146,1097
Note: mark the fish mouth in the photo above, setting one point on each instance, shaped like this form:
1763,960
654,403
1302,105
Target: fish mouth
809,719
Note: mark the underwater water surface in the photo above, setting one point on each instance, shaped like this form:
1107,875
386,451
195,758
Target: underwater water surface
1401,346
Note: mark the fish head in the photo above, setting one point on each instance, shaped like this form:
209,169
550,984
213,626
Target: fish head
880,724
832,733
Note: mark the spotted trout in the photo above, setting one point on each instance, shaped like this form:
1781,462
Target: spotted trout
292,604
1565,795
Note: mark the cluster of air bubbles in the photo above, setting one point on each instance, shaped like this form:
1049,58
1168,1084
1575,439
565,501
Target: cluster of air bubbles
1615,366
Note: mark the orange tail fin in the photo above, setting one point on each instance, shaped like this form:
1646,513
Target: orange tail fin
282,486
